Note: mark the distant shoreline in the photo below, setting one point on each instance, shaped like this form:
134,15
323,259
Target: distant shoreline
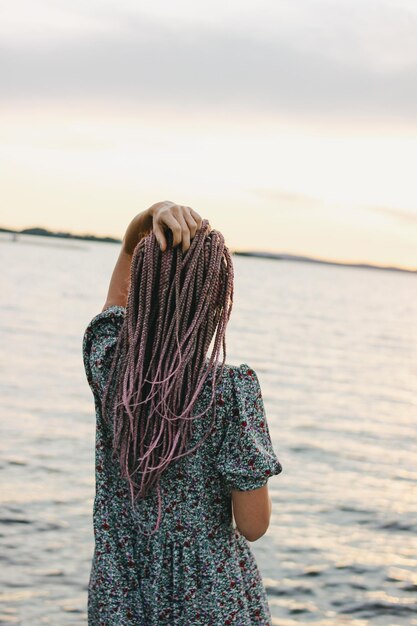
278,256
43,232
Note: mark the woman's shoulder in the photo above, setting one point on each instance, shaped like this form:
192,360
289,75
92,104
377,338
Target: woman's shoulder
232,371
239,374
235,380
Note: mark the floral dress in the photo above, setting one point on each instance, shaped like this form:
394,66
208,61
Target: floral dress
197,568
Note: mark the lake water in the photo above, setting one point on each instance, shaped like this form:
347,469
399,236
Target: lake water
335,350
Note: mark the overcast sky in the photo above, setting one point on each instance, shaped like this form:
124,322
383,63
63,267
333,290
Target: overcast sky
291,125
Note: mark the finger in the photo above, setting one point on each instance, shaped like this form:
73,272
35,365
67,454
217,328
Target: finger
185,231
198,219
169,220
160,236
191,223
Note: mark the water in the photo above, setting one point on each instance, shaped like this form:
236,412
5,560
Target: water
335,351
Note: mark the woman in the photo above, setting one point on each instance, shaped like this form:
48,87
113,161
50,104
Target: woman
182,440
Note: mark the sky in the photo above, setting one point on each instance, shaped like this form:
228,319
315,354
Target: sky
291,126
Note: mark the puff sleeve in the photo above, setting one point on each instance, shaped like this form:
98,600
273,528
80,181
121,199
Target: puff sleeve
98,346
246,458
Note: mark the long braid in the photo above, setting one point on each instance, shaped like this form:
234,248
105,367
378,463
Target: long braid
177,303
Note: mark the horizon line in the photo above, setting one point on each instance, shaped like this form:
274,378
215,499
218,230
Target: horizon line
44,232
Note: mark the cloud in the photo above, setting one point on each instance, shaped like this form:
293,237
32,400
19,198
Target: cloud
333,65
410,217
287,200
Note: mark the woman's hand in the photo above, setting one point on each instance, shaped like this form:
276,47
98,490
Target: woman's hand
183,221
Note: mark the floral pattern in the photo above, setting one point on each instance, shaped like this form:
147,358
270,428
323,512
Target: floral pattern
197,569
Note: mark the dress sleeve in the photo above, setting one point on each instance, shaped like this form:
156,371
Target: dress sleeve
246,458
99,343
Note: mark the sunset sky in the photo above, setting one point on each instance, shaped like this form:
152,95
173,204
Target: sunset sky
291,126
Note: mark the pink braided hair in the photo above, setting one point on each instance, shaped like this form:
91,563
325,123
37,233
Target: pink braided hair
177,302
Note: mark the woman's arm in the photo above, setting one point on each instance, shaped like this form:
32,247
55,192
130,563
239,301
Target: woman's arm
182,220
252,511
119,286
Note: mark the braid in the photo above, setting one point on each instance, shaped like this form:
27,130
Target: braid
177,303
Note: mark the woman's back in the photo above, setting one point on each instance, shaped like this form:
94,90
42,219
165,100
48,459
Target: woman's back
197,568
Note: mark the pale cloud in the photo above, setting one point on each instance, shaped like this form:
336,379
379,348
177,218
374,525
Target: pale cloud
37,23
287,199
410,217
345,59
